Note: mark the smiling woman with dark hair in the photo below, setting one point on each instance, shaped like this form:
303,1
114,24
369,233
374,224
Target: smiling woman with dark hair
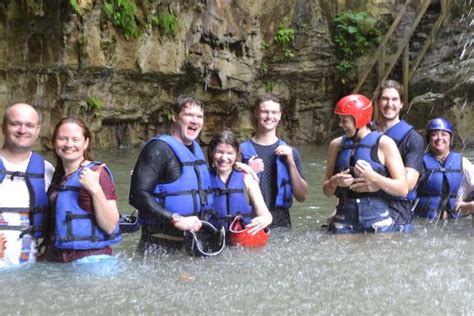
441,193
236,193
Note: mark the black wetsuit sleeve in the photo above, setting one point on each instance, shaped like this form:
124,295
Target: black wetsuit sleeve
413,152
156,164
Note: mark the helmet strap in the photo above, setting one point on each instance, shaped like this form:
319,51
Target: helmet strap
355,134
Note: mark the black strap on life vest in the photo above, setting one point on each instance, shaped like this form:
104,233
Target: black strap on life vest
21,174
63,188
226,191
92,237
31,211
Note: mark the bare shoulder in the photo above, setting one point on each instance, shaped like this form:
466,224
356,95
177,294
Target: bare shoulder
387,142
335,143
249,181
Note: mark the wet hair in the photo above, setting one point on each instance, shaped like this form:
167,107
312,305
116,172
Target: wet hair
224,137
6,118
387,84
266,97
184,100
88,155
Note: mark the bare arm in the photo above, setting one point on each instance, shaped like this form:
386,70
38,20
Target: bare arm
263,216
341,179
467,187
412,177
389,156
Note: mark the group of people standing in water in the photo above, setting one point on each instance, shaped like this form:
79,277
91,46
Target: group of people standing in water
379,172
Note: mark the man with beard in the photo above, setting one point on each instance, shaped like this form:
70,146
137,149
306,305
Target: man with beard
411,145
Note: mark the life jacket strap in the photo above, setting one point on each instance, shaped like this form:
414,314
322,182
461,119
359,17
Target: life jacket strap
21,174
93,235
68,188
220,191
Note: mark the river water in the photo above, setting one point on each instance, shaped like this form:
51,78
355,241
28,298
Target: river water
302,270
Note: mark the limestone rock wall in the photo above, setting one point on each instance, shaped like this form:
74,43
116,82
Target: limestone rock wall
58,59
223,52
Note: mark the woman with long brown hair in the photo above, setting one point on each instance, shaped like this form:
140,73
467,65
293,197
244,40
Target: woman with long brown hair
83,208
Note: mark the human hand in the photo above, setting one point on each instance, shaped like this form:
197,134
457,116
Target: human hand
364,180
258,223
247,169
465,208
363,169
362,185
3,241
89,179
256,164
188,223
343,179
285,152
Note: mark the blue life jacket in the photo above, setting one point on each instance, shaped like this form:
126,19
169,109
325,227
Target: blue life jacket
398,132
440,185
229,199
76,228
34,178
191,193
284,198
348,155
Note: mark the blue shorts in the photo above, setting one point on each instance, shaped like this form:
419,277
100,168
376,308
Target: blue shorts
104,265
368,214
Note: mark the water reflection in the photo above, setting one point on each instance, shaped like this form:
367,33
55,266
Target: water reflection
302,270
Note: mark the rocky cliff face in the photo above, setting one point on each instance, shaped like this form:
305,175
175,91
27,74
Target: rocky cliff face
223,52
443,85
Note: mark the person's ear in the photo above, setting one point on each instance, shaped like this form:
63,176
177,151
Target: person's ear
38,130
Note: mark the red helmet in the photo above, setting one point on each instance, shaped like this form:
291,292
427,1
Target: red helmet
357,106
239,235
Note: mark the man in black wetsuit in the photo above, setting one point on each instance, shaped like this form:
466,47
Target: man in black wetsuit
170,181
277,164
411,145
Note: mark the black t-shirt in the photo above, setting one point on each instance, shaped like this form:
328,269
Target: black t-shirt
411,148
268,177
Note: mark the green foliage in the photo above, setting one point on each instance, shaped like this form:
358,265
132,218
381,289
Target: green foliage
122,14
94,103
75,6
264,45
288,53
168,24
167,114
264,68
269,86
356,33
284,37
